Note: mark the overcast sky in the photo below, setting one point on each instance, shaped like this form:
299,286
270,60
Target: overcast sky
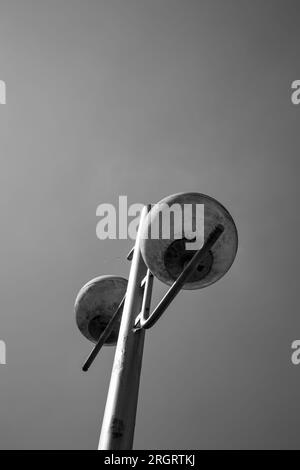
146,98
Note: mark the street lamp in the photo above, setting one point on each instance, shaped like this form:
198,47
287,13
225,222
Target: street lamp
111,311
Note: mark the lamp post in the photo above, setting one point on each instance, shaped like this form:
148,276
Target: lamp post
110,311
120,410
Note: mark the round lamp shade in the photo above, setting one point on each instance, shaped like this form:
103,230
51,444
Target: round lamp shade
96,303
167,240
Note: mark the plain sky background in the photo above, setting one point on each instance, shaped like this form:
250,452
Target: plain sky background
146,98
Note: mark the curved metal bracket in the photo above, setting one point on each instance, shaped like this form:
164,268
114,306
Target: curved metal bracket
147,283
146,321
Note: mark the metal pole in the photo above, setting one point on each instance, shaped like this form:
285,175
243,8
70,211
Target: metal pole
120,411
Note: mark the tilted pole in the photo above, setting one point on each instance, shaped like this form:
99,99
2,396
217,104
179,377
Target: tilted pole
120,411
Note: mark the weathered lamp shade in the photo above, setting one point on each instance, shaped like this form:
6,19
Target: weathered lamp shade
96,303
166,257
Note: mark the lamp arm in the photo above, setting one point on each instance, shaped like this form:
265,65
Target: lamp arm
145,321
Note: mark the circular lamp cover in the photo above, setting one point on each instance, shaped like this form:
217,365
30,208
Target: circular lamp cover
166,256
96,303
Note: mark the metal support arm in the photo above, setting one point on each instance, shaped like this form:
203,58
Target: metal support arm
103,337
143,320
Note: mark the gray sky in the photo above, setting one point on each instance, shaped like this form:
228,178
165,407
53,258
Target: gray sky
147,98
